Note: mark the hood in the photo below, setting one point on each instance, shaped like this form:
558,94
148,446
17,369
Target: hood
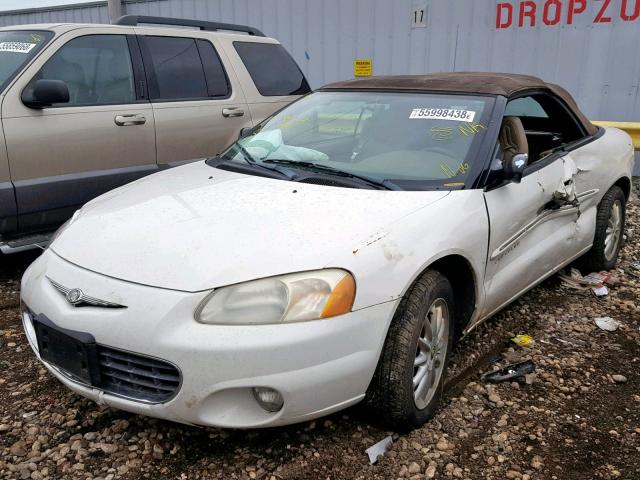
196,227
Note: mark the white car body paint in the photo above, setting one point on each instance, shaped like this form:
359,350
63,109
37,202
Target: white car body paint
161,244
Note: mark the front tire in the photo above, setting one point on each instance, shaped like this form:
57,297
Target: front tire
407,386
609,229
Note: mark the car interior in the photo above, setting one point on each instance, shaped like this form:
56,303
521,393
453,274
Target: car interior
545,123
386,143
512,138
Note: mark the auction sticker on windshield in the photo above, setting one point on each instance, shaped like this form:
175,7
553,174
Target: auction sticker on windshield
443,114
16,47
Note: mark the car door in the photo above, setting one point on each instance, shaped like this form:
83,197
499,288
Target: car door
66,154
8,209
536,225
199,109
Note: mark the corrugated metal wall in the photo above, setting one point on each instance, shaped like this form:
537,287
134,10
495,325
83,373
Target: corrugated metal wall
95,12
598,62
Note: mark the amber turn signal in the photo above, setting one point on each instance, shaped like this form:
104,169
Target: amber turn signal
341,299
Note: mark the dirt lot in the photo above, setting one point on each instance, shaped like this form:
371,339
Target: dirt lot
574,421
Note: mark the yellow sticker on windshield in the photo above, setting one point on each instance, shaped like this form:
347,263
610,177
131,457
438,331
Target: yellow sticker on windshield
471,129
447,170
442,133
463,168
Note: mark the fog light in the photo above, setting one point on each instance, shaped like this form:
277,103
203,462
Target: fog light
268,398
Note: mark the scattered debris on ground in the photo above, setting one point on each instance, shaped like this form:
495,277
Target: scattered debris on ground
517,372
607,324
376,450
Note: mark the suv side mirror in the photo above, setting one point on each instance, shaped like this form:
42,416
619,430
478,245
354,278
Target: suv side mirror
45,93
514,170
245,132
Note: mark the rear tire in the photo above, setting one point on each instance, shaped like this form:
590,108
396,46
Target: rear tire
407,386
609,230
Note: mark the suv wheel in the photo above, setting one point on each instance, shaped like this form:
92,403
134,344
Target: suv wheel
407,386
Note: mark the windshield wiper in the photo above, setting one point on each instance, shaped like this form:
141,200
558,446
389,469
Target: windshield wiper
386,184
246,156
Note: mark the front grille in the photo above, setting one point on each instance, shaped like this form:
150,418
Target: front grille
136,376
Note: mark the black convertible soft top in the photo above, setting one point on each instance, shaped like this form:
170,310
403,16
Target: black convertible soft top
504,84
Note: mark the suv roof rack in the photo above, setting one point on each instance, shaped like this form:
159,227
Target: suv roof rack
134,20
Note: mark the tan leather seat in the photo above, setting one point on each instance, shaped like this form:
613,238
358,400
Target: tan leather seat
513,139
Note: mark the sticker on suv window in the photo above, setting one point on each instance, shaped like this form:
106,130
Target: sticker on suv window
443,114
16,47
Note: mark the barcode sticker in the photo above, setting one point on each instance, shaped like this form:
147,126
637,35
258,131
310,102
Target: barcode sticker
443,114
16,47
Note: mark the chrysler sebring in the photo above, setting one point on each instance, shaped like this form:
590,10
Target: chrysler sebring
335,253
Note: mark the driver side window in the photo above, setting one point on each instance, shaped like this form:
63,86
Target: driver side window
547,124
96,68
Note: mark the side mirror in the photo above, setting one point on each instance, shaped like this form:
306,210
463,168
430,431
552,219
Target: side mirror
245,132
514,170
45,93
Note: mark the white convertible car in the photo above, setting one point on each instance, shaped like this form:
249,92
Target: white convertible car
333,254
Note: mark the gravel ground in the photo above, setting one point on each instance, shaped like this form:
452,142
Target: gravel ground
578,418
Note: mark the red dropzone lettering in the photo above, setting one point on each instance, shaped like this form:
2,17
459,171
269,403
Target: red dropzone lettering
552,12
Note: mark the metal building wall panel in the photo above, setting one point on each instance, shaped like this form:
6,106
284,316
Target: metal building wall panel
598,63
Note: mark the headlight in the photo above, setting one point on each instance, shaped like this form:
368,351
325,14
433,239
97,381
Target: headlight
287,298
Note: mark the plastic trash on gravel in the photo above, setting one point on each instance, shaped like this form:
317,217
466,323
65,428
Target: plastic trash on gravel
574,279
379,449
607,323
523,340
517,372
602,291
633,269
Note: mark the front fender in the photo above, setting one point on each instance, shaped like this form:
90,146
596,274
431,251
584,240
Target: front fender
387,263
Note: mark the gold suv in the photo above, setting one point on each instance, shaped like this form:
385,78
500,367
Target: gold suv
87,108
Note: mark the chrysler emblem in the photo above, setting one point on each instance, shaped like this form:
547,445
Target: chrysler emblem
74,295
78,298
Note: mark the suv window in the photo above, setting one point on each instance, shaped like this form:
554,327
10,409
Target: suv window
96,68
547,123
272,69
217,80
184,69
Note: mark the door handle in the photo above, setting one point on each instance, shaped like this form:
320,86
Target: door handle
232,112
129,119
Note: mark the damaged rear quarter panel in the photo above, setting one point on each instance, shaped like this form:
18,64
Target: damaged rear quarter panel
386,263
602,162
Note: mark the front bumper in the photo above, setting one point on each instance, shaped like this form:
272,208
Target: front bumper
319,367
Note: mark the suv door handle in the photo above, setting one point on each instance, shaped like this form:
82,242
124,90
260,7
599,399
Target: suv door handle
232,112
129,119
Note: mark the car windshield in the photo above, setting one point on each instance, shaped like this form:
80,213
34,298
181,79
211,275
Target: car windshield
416,139
16,49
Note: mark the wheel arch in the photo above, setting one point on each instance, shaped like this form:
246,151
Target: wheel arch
464,281
625,185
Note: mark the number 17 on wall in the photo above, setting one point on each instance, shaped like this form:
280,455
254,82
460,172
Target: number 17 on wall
419,17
